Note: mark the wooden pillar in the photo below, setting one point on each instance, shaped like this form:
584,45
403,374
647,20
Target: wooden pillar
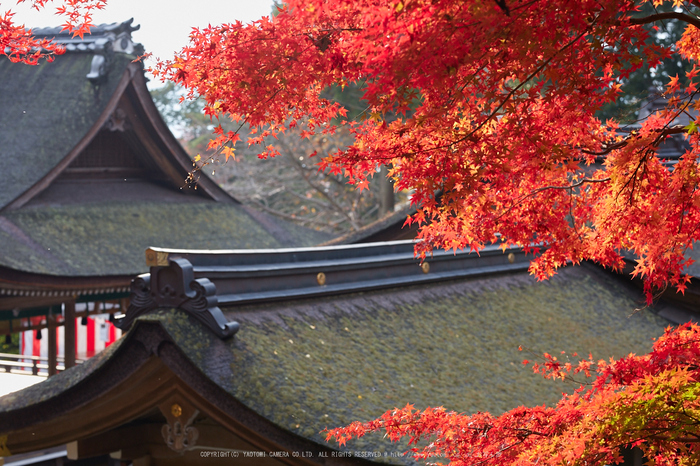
51,325
69,334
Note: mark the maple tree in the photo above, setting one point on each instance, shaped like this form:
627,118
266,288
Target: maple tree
487,112
488,106
290,185
18,43
651,402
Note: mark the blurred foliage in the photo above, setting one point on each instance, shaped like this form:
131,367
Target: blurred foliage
11,347
290,185
637,88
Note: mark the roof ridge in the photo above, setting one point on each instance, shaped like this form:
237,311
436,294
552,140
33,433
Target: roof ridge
116,37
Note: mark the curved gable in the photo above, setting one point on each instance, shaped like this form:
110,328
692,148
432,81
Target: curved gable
47,111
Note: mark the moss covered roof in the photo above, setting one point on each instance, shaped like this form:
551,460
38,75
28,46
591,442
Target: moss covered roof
46,111
321,363
110,238
324,363
99,227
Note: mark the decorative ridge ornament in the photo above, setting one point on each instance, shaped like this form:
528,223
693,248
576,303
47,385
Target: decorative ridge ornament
174,286
117,34
118,121
101,60
179,432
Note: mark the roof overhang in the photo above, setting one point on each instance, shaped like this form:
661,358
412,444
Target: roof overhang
128,403
27,292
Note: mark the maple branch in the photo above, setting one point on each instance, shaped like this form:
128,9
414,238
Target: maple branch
544,188
308,199
665,438
305,176
633,179
695,420
323,42
524,431
677,129
573,217
666,15
524,5
668,130
575,185
502,5
522,84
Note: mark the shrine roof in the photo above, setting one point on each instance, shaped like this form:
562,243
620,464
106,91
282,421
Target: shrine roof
310,364
324,363
86,239
47,109
63,219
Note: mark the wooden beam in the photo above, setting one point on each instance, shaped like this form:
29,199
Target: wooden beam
69,334
131,440
137,442
110,409
53,356
143,461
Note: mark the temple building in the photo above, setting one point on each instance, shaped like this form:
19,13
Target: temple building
92,177
242,343
246,357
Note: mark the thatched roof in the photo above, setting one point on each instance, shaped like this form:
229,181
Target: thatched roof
297,367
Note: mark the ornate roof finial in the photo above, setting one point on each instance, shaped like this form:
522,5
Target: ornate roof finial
175,286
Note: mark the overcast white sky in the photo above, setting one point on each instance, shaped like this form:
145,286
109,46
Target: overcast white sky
165,24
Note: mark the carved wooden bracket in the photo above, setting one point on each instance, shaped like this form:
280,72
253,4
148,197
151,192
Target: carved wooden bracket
174,286
4,451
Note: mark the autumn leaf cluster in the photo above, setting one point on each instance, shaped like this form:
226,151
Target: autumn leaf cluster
650,402
485,112
18,43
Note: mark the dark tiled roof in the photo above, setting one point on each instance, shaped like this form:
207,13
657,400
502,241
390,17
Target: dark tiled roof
110,238
46,111
117,34
99,227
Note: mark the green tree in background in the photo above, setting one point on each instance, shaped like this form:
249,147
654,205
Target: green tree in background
638,86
